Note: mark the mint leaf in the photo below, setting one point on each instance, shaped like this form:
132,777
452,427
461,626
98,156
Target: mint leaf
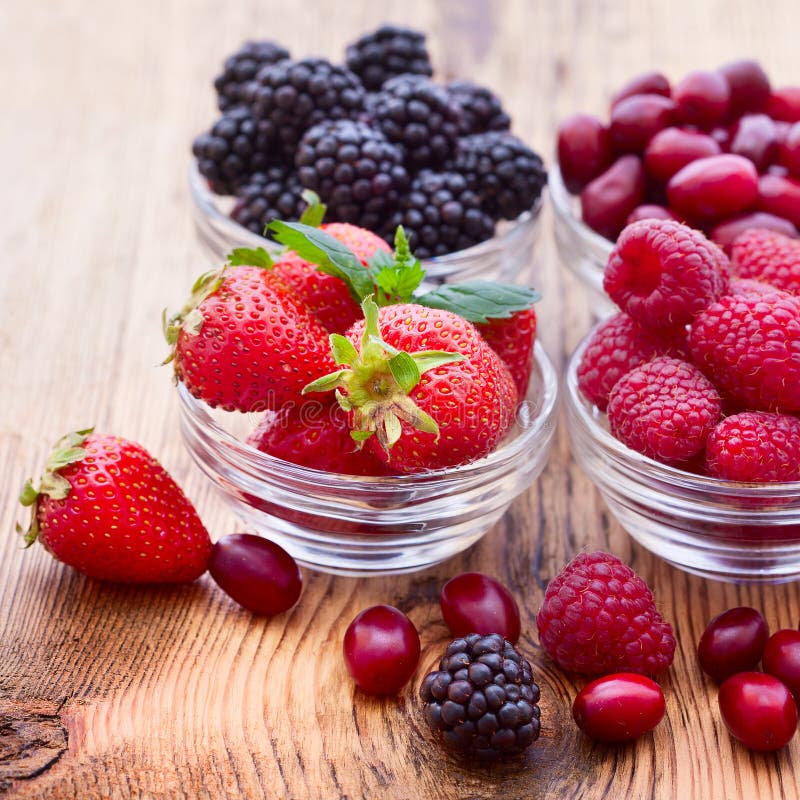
480,301
246,257
314,212
397,284
329,254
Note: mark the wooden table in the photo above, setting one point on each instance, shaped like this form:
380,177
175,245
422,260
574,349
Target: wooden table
113,692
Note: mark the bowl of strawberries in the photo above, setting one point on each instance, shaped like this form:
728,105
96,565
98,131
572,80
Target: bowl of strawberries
718,150
365,422
684,406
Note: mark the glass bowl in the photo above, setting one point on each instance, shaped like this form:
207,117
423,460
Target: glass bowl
719,529
370,526
583,251
507,257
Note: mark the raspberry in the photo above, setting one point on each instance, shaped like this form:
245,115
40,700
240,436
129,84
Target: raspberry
750,347
662,273
599,617
747,287
664,409
769,257
755,446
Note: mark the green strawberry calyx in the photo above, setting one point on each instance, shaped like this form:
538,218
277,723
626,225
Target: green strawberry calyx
68,450
376,382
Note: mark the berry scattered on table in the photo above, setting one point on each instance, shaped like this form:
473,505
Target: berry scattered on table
107,508
482,700
599,617
782,659
732,642
389,51
257,573
476,603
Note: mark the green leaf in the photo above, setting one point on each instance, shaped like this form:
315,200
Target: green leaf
392,428
28,494
246,257
329,254
326,383
361,436
314,212
405,371
344,351
480,301
430,359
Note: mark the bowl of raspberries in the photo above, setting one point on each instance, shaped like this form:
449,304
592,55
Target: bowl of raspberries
346,410
718,150
684,406
381,143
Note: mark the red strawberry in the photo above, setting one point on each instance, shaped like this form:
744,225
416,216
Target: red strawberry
768,257
513,339
107,508
428,408
245,342
315,435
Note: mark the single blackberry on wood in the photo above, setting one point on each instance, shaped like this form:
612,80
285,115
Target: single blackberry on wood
291,96
482,699
504,171
440,215
414,112
241,67
481,109
387,52
272,194
354,169
232,150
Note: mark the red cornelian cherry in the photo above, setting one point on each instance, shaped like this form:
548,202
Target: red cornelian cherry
650,211
646,83
619,707
381,650
780,196
701,98
673,148
732,642
749,86
784,104
756,137
636,119
584,150
758,710
713,188
727,230
782,659
257,573
789,155
476,603
609,198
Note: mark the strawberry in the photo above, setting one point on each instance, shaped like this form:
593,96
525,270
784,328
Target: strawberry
513,339
315,435
107,508
244,341
421,409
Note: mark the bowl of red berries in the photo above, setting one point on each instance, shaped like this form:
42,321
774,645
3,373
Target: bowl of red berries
684,407
364,422
381,143
718,150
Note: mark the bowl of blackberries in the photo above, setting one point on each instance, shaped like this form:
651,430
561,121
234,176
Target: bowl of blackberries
718,150
381,143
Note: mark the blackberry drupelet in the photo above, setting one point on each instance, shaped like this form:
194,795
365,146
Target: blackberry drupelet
504,171
241,67
291,96
481,109
483,699
419,115
387,52
232,150
354,169
272,194
440,215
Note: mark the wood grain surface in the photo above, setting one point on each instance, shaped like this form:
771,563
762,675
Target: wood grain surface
109,692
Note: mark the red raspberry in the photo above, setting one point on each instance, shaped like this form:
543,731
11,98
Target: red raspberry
750,347
599,617
747,287
664,409
755,446
662,273
769,257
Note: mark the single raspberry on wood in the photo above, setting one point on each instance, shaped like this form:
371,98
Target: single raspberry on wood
768,257
755,446
664,409
599,617
662,273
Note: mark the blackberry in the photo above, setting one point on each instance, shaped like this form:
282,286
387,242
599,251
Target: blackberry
504,171
272,194
241,67
232,150
291,96
440,215
389,51
483,698
481,109
354,169
419,115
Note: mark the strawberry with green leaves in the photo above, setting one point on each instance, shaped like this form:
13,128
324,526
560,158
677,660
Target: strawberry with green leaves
107,508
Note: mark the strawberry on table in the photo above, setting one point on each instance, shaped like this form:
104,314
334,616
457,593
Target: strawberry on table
107,508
